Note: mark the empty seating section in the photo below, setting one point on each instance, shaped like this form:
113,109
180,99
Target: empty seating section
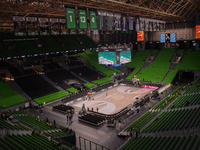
92,54
5,125
193,89
72,90
133,73
62,108
35,86
152,74
57,134
180,51
143,120
163,58
155,51
186,100
31,121
87,73
102,80
29,72
175,120
163,143
15,72
88,40
92,119
97,66
163,103
73,43
138,59
171,76
27,141
52,66
49,40
27,47
50,97
8,97
190,61
88,85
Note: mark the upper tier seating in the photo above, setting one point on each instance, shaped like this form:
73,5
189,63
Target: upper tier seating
152,74
8,97
190,61
163,58
88,40
138,59
15,72
35,86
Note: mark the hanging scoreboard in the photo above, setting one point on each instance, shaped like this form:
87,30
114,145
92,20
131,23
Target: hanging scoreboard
93,19
70,17
82,18
110,21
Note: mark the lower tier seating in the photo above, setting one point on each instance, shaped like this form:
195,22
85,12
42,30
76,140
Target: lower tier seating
31,121
175,120
163,143
142,121
8,97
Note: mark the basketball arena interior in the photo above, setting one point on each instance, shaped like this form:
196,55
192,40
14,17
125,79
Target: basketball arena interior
100,74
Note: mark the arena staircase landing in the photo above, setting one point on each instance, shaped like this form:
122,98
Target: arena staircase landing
15,87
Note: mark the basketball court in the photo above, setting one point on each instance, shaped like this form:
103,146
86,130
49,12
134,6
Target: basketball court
112,100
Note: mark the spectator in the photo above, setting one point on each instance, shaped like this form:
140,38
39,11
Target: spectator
49,138
47,120
97,109
157,117
41,112
92,108
60,144
120,124
131,135
67,117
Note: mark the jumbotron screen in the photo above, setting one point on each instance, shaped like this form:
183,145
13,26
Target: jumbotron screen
107,58
125,57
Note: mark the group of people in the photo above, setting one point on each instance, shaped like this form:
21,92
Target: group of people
6,115
69,115
137,131
88,109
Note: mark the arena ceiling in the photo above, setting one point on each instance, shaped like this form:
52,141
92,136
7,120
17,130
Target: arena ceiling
168,10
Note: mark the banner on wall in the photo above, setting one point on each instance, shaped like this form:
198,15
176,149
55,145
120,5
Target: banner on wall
124,23
44,26
82,18
137,23
93,19
146,24
19,25
150,87
110,22
70,17
32,27
140,36
117,22
158,26
154,26
161,26
141,24
130,20
102,20
63,30
150,25
54,26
